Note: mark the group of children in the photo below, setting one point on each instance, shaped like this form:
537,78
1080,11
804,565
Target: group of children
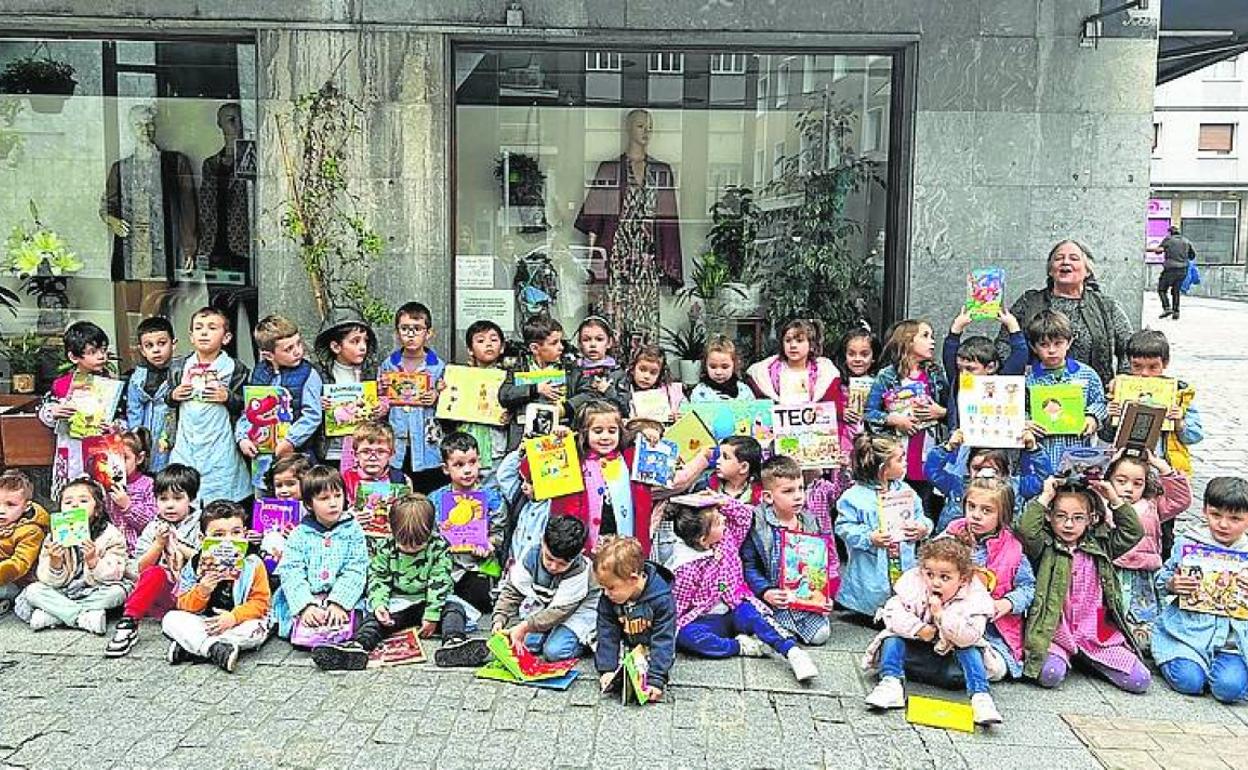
998,569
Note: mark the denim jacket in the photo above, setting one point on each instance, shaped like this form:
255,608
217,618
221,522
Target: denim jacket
415,426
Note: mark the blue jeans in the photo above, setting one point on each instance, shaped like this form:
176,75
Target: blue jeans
894,650
557,644
1227,678
713,636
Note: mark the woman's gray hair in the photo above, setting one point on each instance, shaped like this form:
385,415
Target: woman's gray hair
1087,257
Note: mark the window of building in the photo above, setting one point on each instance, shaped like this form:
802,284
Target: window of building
729,63
1218,138
1227,69
602,61
783,73
1212,227
763,93
873,130
666,63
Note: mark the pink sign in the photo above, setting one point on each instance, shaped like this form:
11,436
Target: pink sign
1159,208
1155,230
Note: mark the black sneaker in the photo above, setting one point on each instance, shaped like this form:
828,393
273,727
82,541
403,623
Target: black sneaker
225,655
1175,315
124,638
340,657
1166,314
6,606
462,653
176,654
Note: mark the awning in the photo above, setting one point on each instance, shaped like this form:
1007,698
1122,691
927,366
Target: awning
1197,33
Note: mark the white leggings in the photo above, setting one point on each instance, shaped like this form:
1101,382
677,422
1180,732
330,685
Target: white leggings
187,629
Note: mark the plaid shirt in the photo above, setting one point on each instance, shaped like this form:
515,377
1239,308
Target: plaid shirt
704,583
1094,398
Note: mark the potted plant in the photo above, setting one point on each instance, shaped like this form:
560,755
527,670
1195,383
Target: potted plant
689,346
43,261
734,226
524,186
23,354
45,80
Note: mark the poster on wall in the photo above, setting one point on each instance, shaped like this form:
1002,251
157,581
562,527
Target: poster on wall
1156,228
497,305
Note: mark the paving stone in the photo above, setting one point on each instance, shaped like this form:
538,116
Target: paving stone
1126,759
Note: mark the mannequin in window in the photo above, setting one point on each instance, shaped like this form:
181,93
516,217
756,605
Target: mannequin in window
630,211
149,205
224,212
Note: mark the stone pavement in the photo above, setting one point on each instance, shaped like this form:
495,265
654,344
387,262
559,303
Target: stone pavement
64,705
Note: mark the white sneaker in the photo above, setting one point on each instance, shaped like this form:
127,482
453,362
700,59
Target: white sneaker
92,621
803,667
888,694
751,647
40,620
984,709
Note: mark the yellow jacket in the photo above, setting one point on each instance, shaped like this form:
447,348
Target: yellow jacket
20,543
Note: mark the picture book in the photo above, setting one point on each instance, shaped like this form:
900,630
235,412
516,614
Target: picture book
992,410
554,465
1140,429
104,459
96,400
859,390
372,506
524,665
202,379
1149,391
690,435
652,404
404,388
495,671
1085,463
463,519
904,398
735,417
938,712
629,678
896,510
985,290
399,649
350,404
808,434
1059,408
804,570
1216,569
538,376
70,527
314,636
224,554
540,419
471,395
269,415
269,514
655,464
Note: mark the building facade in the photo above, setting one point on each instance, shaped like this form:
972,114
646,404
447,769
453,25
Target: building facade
494,160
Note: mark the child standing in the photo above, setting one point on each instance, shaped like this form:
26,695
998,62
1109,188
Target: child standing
1078,608
345,347
977,355
133,506
147,391
719,380
799,374
76,584
166,545
218,613
873,552
485,350
636,609
939,608
1049,335
648,372
23,527
86,347
1159,494
717,615
941,463
543,336
597,373
787,505
856,356
206,415
416,432
1199,650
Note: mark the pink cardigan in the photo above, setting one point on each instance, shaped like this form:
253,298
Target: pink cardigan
1176,496
961,624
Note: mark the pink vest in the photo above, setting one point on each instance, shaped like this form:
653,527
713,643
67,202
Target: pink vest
1005,553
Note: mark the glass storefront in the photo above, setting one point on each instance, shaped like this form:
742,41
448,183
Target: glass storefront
144,166
636,183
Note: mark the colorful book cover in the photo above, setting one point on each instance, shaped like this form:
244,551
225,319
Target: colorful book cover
804,570
202,378
104,459
704,499
1059,409
471,395
463,519
1217,570
400,649
554,465
495,671
540,419
938,712
652,404
522,663
268,514
372,506
655,464
736,417
96,400
269,415
896,510
223,553
538,376
859,390
1085,463
309,637
690,435
985,289
1150,391
992,410
350,404
70,527
404,388
905,397
635,667
808,434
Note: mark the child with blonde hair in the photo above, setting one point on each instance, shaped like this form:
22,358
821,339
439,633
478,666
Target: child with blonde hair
23,527
636,609
719,380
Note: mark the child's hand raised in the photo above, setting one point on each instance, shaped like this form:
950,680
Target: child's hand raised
1049,491
1106,491
1037,430
960,321
56,553
913,531
1008,320
119,497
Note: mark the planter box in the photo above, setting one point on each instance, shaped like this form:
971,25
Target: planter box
24,441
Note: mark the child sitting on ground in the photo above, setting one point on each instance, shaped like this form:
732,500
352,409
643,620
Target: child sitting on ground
373,444
636,609
23,527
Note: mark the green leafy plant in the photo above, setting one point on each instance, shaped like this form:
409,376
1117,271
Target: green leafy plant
710,273
687,344
337,247
39,256
23,352
734,226
525,184
37,75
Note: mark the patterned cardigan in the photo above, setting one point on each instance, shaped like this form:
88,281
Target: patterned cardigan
704,579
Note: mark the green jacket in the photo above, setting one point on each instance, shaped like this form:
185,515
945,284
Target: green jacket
422,578
1052,562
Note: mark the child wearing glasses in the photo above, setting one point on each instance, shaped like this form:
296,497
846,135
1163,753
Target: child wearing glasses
374,448
416,432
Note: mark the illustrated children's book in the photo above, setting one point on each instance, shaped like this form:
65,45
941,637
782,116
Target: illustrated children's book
332,633
202,378
630,678
71,527
522,663
1149,391
652,404
471,395
1217,569
992,410
1085,463
1059,408
372,506
804,570
224,554
269,415
904,398
1140,429
463,519
540,419
350,404
398,649
690,435
896,510
859,390
655,464
938,712
269,514
496,671
538,376
735,417
404,388
808,434
985,289
554,465
104,460
96,400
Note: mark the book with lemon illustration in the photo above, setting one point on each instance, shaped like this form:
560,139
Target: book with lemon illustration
463,519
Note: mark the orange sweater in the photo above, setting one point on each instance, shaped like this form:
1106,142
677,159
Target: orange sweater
20,543
254,607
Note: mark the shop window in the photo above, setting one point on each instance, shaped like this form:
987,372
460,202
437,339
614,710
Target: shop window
1217,138
1212,226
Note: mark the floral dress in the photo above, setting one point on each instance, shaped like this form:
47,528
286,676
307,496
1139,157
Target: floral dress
633,273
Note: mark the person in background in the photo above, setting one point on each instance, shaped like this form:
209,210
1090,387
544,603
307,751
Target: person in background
1179,252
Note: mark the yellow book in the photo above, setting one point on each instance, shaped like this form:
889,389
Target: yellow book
690,435
935,712
554,466
1149,391
471,395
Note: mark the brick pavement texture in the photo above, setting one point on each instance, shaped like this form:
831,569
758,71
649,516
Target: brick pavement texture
64,705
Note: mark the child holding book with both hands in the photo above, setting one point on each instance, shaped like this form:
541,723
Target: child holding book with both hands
648,373
857,356
485,351
543,336
799,374
1049,335
977,355
147,390
86,347
133,505
416,432
346,347
373,447
636,609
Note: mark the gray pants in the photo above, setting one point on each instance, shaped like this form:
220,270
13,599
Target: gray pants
39,596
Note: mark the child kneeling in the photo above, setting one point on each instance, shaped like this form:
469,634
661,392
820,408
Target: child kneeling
939,608
219,612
